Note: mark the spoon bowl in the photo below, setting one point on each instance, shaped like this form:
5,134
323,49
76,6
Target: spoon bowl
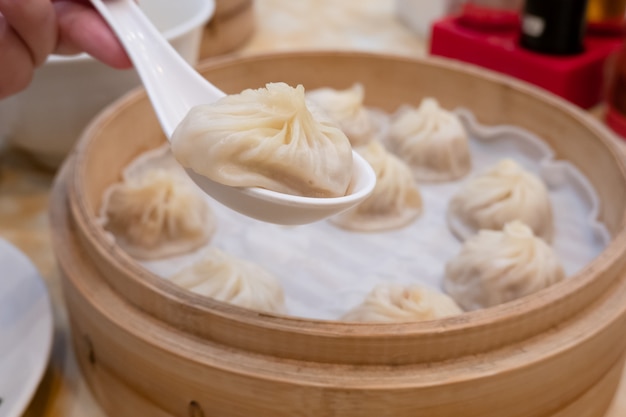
289,210
174,87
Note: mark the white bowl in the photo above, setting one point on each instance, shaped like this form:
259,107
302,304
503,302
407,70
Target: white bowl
67,92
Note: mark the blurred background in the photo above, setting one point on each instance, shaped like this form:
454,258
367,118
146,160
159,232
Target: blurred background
569,47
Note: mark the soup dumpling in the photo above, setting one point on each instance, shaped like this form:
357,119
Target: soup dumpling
226,278
432,141
347,109
395,201
397,303
504,193
495,267
156,211
266,138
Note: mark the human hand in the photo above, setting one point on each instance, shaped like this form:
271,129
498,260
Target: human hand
30,30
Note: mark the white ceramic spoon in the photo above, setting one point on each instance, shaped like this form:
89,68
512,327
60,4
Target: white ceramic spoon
173,87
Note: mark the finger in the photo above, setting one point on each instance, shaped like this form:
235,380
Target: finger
16,68
34,22
82,29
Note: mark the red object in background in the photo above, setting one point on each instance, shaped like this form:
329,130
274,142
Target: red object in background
487,18
577,78
613,27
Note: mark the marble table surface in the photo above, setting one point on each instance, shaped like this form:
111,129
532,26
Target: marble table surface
24,188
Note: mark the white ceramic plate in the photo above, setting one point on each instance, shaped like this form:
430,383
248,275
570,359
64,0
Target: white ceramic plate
25,330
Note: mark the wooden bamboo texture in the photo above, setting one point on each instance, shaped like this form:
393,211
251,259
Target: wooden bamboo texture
231,26
137,365
544,355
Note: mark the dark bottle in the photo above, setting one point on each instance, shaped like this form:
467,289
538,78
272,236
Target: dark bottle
555,27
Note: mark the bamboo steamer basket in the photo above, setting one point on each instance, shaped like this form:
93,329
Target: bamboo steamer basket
147,347
231,26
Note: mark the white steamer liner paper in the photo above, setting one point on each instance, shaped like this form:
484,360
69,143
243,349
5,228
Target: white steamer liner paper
325,270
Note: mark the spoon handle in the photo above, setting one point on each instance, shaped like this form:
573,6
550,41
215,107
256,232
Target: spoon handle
173,85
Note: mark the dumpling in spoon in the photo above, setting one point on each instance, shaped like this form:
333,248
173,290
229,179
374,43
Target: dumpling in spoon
395,201
266,138
432,141
225,278
346,107
397,303
156,211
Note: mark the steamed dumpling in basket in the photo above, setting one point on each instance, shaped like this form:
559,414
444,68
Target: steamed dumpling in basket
397,303
502,194
346,107
226,278
156,211
432,141
495,267
395,201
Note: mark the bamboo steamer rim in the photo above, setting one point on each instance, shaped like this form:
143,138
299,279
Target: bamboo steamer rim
225,9
100,315
559,299
186,346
